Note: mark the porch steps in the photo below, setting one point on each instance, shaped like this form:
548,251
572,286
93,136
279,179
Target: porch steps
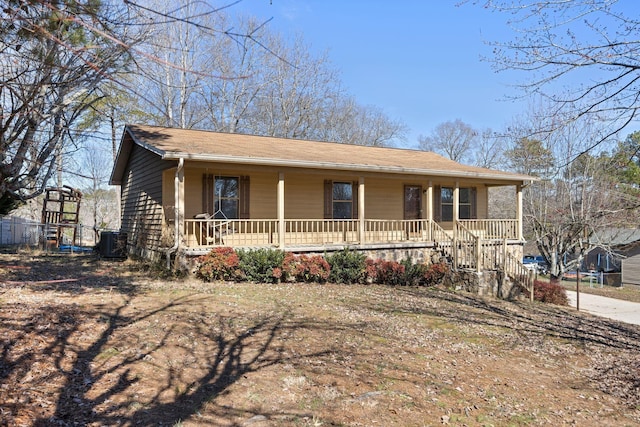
468,252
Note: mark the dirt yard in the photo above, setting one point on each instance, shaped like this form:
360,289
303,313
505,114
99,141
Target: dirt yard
85,342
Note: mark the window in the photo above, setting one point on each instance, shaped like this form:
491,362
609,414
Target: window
226,197
464,206
466,203
342,200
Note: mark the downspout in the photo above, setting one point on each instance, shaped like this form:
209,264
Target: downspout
176,213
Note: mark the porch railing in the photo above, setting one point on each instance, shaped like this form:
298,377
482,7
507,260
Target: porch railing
467,248
517,271
266,232
492,229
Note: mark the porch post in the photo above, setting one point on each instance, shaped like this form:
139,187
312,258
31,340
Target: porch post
180,201
519,210
280,210
456,202
361,214
430,208
456,215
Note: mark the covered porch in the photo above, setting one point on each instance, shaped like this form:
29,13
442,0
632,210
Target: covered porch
359,212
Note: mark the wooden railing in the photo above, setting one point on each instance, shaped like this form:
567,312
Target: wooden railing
266,232
257,232
516,270
319,232
467,248
381,230
490,229
223,232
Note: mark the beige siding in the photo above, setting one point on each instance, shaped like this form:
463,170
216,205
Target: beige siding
168,194
482,198
262,202
304,196
304,193
384,199
142,200
192,192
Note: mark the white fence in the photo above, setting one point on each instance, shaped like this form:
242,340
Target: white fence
22,231
19,231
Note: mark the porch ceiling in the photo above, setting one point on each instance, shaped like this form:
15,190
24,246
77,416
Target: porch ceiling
170,143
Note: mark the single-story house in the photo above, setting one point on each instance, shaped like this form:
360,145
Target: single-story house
610,248
616,254
185,192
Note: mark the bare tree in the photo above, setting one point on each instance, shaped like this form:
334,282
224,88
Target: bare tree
589,47
454,140
572,200
49,77
96,163
274,88
489,152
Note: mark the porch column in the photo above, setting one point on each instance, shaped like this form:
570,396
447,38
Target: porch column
361,214
280,210
519,210
456,202
429,196
180,203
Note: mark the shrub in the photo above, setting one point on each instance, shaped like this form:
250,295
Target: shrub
384,272
318,269
435,273
371,271
347,267
551,293
304,268
261,265
413,272
219,264
390,272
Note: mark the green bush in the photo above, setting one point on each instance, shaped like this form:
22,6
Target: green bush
414,273
551,293
219,264
261,265
347,267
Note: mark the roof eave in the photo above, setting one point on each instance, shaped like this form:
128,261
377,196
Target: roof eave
345,167
126,145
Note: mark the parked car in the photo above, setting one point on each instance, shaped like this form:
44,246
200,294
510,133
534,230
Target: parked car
536,263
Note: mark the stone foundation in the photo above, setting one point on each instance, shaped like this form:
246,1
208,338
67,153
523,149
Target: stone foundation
488,283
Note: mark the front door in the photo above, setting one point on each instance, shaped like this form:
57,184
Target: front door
412,202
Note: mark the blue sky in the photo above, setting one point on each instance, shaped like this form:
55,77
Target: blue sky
420,61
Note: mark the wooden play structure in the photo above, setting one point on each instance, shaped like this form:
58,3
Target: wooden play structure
60,214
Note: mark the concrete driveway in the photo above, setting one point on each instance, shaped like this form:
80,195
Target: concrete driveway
624,311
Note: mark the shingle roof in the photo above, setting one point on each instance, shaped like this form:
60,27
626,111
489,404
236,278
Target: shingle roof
172,143
615,236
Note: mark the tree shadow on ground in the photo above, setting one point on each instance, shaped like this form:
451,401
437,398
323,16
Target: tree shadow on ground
68,273
525,317
93,382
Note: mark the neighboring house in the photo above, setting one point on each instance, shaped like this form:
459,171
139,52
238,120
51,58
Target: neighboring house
188,191
617,252
631,265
